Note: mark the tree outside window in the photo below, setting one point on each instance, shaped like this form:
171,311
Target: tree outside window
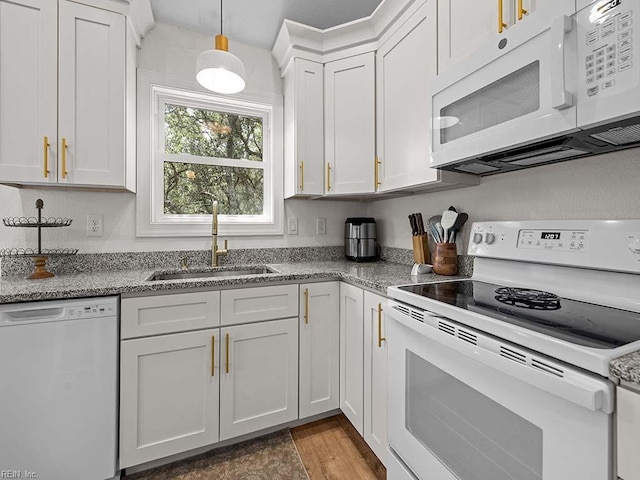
212,155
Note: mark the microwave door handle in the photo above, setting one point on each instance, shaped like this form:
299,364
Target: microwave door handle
560,97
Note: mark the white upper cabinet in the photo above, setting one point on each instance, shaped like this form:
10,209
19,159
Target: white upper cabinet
28,90
350,125
465,26
91,111
304,129
62,94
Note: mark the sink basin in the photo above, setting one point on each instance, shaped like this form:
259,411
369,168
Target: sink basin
212,273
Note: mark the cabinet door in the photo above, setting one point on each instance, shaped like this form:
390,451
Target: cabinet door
169,391
628,421
375,375
404,101
350,125
91,115
352,354
28,90
528,7
319,348
259,383
304,128
464,26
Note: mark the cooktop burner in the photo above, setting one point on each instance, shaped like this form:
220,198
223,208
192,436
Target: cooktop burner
573,321
528,298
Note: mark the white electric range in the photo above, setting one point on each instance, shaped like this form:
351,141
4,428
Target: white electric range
505,374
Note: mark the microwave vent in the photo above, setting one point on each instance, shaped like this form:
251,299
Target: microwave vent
476,168
620,135
548,156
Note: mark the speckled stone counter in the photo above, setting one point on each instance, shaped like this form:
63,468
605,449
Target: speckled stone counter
374,276
627,368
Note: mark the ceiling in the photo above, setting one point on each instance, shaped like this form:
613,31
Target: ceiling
257,22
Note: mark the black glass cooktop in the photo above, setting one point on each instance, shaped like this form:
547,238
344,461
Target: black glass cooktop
570,320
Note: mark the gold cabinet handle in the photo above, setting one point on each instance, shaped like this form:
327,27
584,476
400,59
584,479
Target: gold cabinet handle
328,177
226,367
46,156
64,157
213,355
521,11
501,24
380,337
306,305
377,173
302,176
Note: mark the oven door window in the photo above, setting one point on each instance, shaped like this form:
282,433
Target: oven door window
475,437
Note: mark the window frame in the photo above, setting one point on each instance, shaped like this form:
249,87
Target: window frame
154,90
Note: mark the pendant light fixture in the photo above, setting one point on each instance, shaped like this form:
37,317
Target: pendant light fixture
219,70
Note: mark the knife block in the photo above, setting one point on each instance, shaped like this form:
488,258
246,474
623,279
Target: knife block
421,249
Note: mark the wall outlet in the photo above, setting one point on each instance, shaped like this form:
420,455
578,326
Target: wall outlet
321,226
292,226
95,226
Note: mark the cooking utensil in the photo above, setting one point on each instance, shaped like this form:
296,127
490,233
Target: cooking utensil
440,232
449,217
460,221
453,209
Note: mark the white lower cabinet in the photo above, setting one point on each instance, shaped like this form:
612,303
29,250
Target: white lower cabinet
628,423
375,375
169,395
319,348
259,379
352,354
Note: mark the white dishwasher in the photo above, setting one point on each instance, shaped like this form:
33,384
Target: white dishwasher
58,389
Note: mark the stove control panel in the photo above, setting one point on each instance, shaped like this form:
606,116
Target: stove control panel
612,245
546,239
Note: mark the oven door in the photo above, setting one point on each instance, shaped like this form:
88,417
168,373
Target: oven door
520,88
465,406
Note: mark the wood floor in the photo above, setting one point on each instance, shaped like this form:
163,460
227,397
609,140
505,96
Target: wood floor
332,449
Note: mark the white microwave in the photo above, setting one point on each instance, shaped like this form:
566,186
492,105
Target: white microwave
563,84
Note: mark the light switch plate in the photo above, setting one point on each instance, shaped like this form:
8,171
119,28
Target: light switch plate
292,226
321,226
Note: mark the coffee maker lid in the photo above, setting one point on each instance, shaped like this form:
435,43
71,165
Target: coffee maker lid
360,220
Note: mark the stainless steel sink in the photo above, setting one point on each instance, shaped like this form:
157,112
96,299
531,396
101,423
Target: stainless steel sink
239,272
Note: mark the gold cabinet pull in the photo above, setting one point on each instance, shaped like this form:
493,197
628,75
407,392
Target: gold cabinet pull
302,176
328,177
501,24
213,355
380,337
226,366
46,156
306,305
377,173
521,11
64,157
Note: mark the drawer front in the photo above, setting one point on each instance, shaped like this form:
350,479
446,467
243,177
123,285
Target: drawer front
628,415
258,304
161,314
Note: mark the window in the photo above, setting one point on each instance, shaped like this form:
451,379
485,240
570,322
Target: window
204,148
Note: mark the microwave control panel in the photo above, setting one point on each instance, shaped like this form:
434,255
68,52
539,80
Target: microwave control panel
608,35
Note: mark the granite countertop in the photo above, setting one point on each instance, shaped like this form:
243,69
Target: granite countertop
627,368
375,276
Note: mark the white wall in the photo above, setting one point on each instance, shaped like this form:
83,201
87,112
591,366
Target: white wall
173,51
606,186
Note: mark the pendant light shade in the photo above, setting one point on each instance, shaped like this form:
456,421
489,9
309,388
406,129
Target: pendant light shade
219,70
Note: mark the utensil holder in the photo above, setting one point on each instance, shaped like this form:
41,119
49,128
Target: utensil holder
445,259
421,248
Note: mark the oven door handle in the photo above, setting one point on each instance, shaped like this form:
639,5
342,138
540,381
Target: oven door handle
570,384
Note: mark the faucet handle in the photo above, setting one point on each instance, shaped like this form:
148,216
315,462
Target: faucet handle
185,263
226,244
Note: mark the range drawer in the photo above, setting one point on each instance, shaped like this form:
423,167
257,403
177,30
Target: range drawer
257,304
160,314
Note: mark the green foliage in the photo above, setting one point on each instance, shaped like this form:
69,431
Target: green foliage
189,188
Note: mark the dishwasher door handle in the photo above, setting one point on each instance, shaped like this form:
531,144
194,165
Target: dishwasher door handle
34,315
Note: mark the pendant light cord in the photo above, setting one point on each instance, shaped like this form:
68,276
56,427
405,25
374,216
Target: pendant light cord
221,17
